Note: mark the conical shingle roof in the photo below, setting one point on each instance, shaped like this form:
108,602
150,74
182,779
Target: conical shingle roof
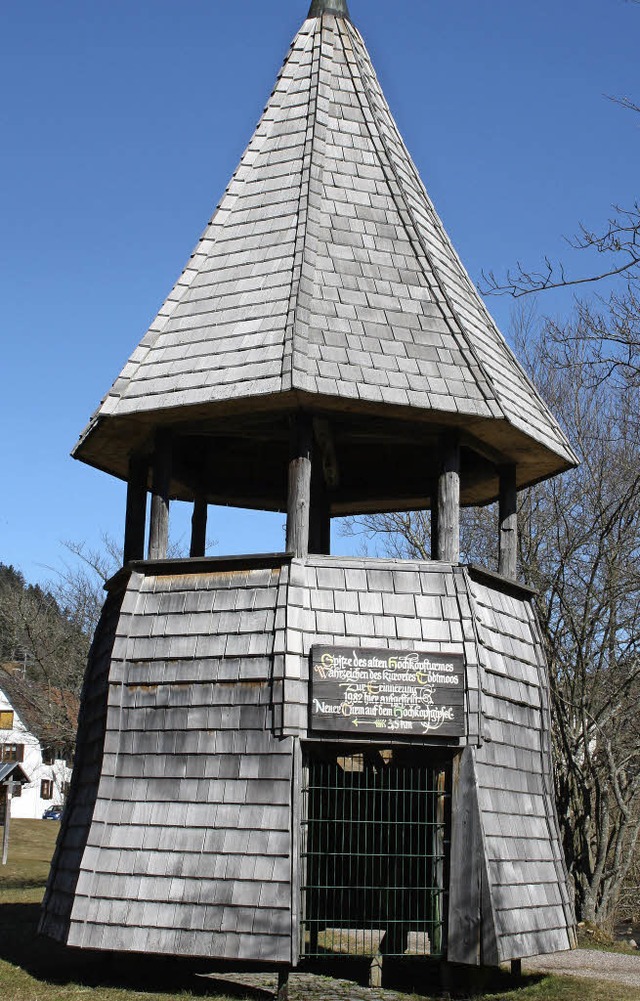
325,279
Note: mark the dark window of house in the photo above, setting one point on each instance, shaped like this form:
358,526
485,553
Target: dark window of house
6,719
11,752
17,789
46,789
48,755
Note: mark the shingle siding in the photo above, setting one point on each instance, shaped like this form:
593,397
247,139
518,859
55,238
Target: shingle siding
525,868
180,828
191,828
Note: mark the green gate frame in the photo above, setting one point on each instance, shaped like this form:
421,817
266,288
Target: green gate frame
375,845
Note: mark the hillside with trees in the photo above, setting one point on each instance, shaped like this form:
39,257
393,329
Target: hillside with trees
43,651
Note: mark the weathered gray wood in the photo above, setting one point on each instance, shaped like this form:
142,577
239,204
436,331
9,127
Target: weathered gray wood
193,769
297,779
375,970
508,517
434,520
159,528
320,514
299,493
199,526
380,339
7,820
319,529
326,446
282,992
466,865
448,519
320,7
136,514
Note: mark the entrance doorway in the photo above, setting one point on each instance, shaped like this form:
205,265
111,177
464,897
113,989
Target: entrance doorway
375,826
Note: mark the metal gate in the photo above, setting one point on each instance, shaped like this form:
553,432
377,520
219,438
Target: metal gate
374,847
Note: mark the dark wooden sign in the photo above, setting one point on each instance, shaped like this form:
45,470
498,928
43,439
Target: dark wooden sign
396,692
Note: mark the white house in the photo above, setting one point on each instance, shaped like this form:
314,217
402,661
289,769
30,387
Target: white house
48,775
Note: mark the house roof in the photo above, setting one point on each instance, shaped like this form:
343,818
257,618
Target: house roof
11,769
325,279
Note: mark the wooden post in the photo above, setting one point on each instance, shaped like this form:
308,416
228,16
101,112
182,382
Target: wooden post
448,518
282,993
466,864
446,977
199,526
508,516
434,520
320,530
320,514
375,970
299,496
159,529
7,820
136,516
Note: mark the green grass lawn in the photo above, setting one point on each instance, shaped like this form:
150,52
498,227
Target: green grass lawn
36,969
30,849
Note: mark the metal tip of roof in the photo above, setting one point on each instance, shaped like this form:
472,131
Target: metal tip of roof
337,7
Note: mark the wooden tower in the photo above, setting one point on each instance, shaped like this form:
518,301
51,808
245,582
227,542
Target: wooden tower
289,755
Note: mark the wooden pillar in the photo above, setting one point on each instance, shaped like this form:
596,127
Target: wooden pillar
8,789
508,517
434,520
448,518
159,529
320,514
199,526
375,970
136,516
299,495
282,990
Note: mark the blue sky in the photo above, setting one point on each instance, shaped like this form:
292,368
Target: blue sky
121,122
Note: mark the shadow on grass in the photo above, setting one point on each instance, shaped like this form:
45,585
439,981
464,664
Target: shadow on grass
420,976
423,976
46,960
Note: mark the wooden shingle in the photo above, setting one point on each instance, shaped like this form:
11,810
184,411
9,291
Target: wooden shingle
325,271
180,827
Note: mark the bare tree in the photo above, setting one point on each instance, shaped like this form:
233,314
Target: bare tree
81,578
45,633
618,242
580,547
610,324
43,649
